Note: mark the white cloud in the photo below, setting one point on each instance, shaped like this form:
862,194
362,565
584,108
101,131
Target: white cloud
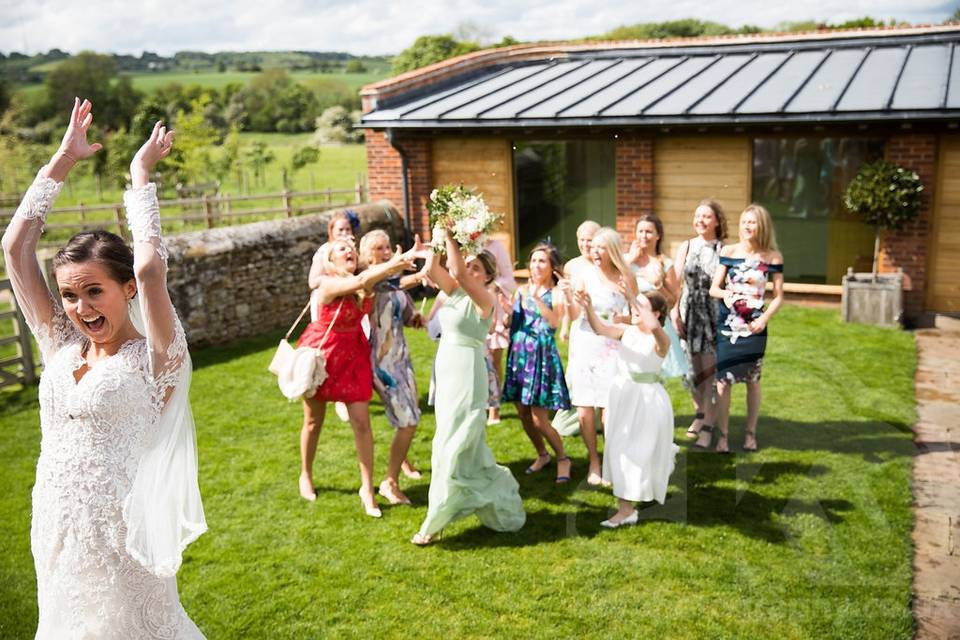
382,26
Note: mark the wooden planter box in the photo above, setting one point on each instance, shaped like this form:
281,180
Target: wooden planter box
870,299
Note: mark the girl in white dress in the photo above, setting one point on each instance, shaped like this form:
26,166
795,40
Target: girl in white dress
116,498
639,454
592,364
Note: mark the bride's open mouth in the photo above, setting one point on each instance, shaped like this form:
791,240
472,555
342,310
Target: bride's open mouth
95,324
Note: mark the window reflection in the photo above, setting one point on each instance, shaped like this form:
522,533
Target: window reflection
559,184
801,181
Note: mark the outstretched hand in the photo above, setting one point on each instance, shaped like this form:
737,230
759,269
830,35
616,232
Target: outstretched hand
74,144
156,148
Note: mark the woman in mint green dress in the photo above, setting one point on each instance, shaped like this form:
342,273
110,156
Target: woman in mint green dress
465,478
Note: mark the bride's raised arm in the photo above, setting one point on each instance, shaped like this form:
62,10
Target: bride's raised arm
42,311
165,338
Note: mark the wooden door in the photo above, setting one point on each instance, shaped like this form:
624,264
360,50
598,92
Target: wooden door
943,289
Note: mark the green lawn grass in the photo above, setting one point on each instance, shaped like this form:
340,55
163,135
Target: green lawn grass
809,538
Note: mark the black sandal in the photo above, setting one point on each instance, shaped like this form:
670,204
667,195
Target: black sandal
691,433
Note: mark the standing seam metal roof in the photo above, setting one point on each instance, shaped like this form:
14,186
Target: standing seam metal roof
847,79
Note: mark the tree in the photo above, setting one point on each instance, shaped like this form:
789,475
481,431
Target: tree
428,50
355,66
884,195
93,76
259,156
4,96
230,159
195,137
337,126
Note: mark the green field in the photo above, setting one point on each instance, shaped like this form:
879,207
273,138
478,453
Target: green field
150,82
809,538
338,167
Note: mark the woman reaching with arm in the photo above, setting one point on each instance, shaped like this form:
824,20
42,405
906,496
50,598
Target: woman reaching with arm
343,298
465,478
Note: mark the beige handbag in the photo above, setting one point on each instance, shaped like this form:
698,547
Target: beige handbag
301,370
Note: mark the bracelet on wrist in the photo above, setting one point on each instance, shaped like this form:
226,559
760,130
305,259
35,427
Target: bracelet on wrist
66,155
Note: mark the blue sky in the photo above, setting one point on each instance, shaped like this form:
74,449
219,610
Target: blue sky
384,26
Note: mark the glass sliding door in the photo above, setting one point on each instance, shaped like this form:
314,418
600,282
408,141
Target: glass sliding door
801,182
558,185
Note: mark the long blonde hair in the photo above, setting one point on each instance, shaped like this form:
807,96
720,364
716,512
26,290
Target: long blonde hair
610,240
766,236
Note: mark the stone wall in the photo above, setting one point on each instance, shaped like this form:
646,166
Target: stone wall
241,281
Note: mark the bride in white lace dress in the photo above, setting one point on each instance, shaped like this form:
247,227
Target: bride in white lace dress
116,498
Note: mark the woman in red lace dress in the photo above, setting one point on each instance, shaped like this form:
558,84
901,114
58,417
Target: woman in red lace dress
343,298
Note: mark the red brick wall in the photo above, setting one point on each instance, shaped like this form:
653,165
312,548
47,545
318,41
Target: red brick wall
634,182
419,160
908,247
385,175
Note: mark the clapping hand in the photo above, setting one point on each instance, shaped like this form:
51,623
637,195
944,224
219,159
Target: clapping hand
74,144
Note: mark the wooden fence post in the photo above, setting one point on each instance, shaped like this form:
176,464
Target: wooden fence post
229,207
25,348
359,193
285,196
118,218
83,213
208,211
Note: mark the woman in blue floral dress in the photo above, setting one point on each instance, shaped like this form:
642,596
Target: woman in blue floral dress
534,377
740,281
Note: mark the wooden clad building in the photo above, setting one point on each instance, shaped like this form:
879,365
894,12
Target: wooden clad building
553,135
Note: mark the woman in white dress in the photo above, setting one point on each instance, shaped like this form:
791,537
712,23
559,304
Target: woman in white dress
591,366
116,498
640,453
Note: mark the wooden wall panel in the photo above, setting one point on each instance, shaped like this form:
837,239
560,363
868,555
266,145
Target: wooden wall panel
689,169
943,274
483,164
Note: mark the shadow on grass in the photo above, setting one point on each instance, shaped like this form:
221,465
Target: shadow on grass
864,437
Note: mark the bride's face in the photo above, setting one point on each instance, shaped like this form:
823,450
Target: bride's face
94,301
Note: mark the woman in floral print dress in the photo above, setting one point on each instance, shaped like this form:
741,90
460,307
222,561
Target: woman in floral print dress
740,282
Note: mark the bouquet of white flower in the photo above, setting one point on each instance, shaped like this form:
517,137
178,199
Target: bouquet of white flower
463,214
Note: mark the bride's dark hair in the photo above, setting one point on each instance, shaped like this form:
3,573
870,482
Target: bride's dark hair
100,246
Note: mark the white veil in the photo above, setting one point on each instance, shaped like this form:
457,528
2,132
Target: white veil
163,511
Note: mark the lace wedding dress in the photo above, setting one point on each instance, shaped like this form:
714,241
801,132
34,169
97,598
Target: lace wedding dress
116,498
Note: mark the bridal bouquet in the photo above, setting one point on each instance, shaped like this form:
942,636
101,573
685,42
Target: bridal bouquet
458,211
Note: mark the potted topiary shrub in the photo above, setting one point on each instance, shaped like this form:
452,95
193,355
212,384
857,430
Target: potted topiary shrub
888,197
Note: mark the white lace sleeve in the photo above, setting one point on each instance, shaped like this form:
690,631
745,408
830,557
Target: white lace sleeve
163,511
166,341
43,313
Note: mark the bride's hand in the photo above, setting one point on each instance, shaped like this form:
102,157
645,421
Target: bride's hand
156,148
74,144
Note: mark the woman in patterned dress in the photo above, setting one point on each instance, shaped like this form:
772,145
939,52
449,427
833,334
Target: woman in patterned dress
741,282
343,299
116,499
695,317
534,374
393,377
